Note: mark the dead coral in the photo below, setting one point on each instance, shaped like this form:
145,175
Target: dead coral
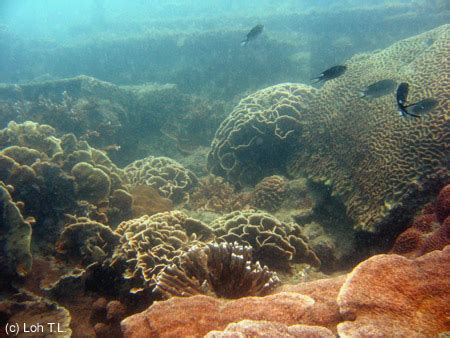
275,244
224,270
167,176
150,243
269,193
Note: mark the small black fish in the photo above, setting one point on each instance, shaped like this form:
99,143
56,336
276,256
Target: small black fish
379,88
421,107
416,109
253,34
330,74
402,93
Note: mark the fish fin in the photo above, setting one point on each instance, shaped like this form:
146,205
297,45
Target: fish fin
404,112
362,94
408,112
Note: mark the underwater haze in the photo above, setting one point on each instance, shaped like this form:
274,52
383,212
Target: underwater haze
224,168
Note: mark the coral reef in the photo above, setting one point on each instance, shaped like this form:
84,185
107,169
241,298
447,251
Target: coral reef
55,176
275,244
107,316
270,193
224,270
87,240
379,164
366,302
170,178
151,243
15,237
429,231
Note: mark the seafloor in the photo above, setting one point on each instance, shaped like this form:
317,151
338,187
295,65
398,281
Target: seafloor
147,211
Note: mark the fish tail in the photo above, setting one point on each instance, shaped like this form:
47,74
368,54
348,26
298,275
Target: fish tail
362,94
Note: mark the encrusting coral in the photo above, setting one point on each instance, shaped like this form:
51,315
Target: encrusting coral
429,230
170,178
380,164
225,270
150,243
275,244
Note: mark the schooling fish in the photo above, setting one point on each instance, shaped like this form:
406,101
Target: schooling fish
416,109
253,34
379,88
330,74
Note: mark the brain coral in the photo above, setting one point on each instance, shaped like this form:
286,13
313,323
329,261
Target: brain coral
258,135
376,161
224,270
167,176
150,243
275,244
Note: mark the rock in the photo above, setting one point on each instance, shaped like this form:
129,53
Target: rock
389,294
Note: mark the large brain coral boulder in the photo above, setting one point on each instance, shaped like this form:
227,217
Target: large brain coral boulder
379,163
260,132
167,176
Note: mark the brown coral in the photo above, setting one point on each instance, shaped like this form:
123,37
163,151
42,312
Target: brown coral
150,243
87,241
256,138
214,194
167,176
15,237
378,163
426,232
442,206
275,243
224,270
269,193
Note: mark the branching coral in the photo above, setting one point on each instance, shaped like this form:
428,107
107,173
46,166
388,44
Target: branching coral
225,270
167,176
378,163
275,244
149,243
